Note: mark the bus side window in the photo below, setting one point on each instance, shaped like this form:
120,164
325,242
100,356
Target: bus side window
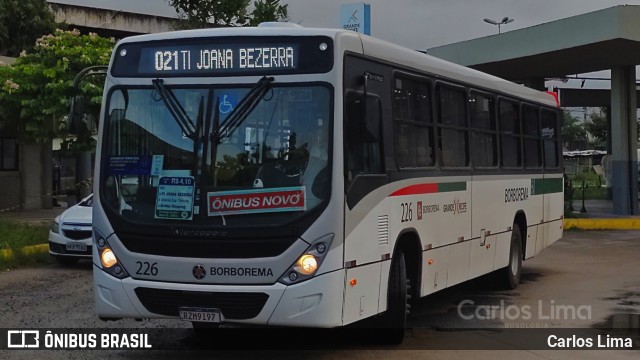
363,136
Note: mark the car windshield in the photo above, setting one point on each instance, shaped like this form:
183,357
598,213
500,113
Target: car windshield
170,155
87,202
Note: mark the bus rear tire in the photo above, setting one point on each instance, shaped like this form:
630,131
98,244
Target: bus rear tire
394,320
511,274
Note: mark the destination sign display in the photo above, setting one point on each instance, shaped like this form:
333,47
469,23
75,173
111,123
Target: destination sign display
224,57
195,58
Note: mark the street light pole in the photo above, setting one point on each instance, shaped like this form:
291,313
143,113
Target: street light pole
505,20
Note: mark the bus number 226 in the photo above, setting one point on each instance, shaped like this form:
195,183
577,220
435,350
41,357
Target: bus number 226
146,268
407,212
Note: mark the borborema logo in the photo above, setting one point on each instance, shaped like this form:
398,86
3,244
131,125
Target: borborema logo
199,272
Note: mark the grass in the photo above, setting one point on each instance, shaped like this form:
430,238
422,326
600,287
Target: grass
590,193
594,189
14,236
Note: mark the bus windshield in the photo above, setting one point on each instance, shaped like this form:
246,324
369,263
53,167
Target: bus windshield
167,161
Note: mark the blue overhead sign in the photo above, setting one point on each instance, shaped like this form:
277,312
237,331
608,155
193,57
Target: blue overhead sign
356,17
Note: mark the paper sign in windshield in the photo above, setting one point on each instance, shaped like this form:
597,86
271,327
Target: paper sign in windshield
129,165
175,198
256,201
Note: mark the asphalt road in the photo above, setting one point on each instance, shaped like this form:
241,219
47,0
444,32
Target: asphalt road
585,281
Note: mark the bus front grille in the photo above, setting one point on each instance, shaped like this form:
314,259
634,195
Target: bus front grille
233,305
205,247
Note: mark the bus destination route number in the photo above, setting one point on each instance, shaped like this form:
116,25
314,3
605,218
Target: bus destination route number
195,59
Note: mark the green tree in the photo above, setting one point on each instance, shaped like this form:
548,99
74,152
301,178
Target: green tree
21,23
35,91
200,14
268,10
598,126
574,134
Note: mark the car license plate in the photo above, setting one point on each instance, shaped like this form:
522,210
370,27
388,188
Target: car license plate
200,314
76,247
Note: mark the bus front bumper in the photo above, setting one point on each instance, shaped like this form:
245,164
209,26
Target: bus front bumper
316,302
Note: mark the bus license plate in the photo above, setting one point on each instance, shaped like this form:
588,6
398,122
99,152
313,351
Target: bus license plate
200,314
76,247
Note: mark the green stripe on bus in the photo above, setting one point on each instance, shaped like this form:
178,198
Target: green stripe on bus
546,186
454,186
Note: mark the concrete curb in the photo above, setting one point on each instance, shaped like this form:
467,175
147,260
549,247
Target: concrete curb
602,224
7,254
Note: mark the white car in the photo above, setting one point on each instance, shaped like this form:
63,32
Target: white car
70,233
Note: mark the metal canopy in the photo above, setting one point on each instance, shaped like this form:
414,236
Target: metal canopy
588,98
595,41
607,39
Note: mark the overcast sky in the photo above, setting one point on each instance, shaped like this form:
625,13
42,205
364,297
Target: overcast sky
417,24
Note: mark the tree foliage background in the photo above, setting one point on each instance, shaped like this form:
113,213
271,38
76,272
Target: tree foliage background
574,135
35,92
200,14
599,126
21,23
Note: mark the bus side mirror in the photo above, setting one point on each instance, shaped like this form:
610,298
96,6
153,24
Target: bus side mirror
76,115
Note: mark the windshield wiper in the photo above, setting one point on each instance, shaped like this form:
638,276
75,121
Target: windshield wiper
208,132
176,110
198,138
242,111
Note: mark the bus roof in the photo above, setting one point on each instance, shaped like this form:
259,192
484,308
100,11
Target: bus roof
373,47
450,71
239,31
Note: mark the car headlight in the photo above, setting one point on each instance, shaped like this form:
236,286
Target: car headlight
309,262
55,226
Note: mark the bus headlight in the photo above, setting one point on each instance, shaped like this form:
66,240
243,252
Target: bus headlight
108,259
308,263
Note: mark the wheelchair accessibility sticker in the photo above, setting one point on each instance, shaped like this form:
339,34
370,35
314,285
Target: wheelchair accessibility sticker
228,101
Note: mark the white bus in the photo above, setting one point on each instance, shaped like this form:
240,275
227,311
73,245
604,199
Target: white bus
302,177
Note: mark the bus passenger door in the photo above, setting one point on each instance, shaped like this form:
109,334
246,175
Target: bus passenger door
553,183
365,176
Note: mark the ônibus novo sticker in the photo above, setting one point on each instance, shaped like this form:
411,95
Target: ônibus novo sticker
256,201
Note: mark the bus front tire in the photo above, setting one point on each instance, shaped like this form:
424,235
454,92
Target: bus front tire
394,320
511,274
